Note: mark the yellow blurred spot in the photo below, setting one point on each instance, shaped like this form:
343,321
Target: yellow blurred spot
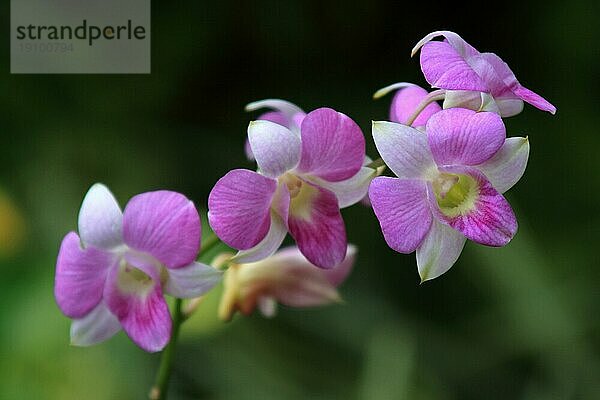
12,226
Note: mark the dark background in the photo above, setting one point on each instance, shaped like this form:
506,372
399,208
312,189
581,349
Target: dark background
519,322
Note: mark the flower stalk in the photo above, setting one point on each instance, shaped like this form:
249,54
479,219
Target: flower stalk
179,315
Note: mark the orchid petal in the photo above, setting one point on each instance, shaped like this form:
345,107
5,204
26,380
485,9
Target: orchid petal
489,221
508,107
317,226
80,276
333,146
338,274
404,149
193,280
508,164
239,208
140,308
287,109
294,281
445,67
464,137
164,224
503,83
100,218
97,326
476,101
439,251
464,49
350,191
269,245
403,212
534,99
275,148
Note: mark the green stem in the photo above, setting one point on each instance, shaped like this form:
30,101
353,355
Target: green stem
161,385
376,163
159,390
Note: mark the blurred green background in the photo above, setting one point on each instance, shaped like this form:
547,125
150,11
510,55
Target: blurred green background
521,322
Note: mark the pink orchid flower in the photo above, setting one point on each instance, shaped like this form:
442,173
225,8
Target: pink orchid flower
286,277
448,186
282,112
465,73
113,275
303,181
406,102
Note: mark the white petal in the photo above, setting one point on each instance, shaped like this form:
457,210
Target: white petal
508,164
473,100
193,280
350,191
383,91
267,246
509,107
462,47
275,148
404,149
100,218
99,325
439,251
285,107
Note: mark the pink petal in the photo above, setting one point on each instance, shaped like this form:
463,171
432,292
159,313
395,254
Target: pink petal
490,222
142,310
464,137
97,326
534,99
100,218
275,116
318,227
275,148
284,113
239,208
503,84
338,274
80,276
164,224
301,284
444,67
403,211
404,149
333,146
405,102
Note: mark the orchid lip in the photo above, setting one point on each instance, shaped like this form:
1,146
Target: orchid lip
134,280
293,183
456,194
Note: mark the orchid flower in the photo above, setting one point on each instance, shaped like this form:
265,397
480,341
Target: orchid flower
406,104
282,112
113,274
286,277
448,186
479,81
303,181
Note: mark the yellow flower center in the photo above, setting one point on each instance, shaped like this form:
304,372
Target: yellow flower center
134,280
301,195
456,194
